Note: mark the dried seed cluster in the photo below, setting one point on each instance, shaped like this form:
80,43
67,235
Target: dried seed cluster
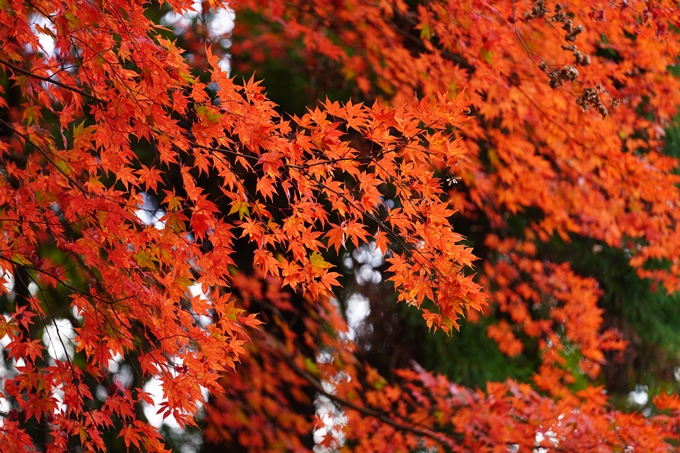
558,77
591,98
568,73
582,60
539,10
572,32
567,24
560,14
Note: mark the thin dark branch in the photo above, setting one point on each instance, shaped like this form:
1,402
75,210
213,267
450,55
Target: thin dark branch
437,437
49,80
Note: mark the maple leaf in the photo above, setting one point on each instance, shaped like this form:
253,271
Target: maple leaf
381,242
266,261
130,435
336,237
355,232
150,177
266,187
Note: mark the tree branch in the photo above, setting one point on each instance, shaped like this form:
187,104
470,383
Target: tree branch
49,80
437,437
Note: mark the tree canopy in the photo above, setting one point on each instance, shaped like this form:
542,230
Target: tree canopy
504,171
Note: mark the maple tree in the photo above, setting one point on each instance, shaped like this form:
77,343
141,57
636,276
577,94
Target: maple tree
524,125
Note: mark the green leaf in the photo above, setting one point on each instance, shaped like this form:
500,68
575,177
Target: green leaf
487,55
242,208
318,263
21,259
144,260
425,32
311,366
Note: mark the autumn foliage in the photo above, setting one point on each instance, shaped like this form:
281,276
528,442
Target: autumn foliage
476,112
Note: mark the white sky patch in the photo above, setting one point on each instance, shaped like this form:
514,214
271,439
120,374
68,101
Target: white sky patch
358,307
369,257
8,280
5,406
58,338
58,394
33,288
114,364
331,421
46,41
225,64
368,254
4,341
155,388
347,261
547,436
149,215
367,274
158,223
196,290
182,21
125,375
542,439
75,311
101,393
640,395
539,437
144,216
219,24
330,418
